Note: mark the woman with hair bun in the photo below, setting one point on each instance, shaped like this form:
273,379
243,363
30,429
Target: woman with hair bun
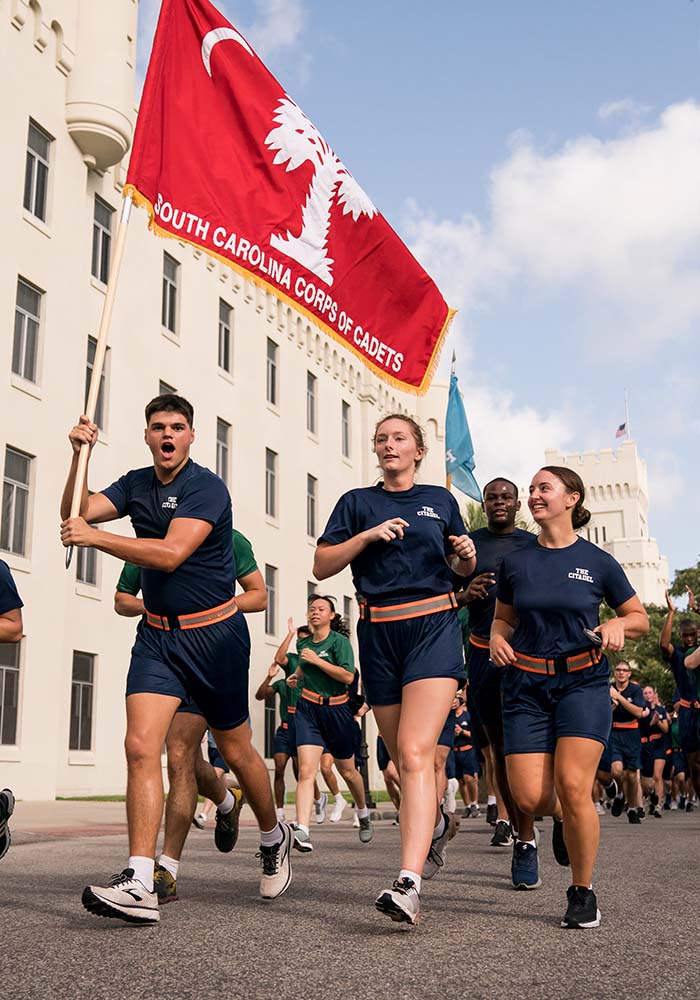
548,638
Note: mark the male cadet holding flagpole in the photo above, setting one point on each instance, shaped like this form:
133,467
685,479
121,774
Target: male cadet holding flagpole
193,642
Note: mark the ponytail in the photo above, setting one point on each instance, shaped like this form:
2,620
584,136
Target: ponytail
338,623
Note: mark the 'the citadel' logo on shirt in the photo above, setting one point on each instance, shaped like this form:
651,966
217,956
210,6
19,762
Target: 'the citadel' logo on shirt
428,512
581,574
169,504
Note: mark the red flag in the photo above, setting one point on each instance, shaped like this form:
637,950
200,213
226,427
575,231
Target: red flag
225,160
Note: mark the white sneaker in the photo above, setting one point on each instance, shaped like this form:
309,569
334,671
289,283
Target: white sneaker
276,863
600,808
437,852
355,819
302,840
674,804
125,898
199,821
320,808
401,902
337,811
451,795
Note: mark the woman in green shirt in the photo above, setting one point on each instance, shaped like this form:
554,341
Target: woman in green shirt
323,718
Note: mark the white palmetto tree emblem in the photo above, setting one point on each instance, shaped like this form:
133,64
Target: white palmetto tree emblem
298,141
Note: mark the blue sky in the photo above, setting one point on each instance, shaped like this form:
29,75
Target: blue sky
543,162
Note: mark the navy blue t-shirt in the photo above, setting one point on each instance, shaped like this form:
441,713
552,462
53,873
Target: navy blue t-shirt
557,593
645,725
685,679
9,596
490,550
463,720
632,693
207,578
405,569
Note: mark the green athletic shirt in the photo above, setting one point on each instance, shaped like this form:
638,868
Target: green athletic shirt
288,696
336,649
129,581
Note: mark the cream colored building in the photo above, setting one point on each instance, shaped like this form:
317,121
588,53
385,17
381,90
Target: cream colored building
281,413
617,495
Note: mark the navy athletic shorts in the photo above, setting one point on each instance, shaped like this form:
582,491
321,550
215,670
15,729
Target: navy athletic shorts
539,709
688,719
605,763
485,680
675,764
626,746
450,771
383,758
329,726
466,763
652,751
282,742
209,665
447,736
215,758
393,654
479,736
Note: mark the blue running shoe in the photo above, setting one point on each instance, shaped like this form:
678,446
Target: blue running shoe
524,868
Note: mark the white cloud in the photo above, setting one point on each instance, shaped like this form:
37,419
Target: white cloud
627,109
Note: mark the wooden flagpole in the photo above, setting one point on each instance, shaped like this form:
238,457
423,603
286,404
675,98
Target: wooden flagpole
99,361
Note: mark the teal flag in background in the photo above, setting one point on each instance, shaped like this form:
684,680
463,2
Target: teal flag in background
459,450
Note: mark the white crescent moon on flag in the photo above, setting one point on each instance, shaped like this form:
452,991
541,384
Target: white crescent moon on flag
220,35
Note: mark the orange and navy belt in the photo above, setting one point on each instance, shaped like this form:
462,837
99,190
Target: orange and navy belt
626,725
317,699
689,704
478,641
559,664
171,623
650,739
467,746
401,612
285,725
291,710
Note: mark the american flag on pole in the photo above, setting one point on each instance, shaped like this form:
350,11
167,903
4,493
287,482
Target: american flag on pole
225,160
621,431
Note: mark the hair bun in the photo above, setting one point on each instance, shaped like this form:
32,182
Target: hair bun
580,516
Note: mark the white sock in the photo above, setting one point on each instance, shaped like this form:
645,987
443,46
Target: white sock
280,814
440,828
416,879
143,870
171,864
532,843
340,797
300,826
491,800
227,804
474,803
270,838
362,813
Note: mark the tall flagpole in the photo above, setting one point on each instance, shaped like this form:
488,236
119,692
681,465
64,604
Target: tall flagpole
627,418
98,364
448,477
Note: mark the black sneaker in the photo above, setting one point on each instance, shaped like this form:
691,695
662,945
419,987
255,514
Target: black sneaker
618,805
7,806
226,829
582,911
612,789
653,798
401,902
165,885
558,844
524,868
492,814
633,817
502,835
689,806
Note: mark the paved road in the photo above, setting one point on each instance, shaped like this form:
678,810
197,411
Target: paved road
324,940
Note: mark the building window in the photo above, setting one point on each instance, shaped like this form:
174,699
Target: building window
311,403
311,486
270,483
86,566
270,726
223,449
271,609
169,303
36,172
101,240
81,701
311,588
100,408
165,389
9,692
345,429
25,346
605,536
15,502
225,324
272,393
347,610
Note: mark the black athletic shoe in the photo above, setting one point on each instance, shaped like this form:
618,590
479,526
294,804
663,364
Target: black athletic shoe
611,790
689,806
618,805
226,829
633,817
582,911
492,814
653,798
7,805
558,845
502,835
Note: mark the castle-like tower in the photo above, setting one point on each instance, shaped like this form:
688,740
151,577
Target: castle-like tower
617,495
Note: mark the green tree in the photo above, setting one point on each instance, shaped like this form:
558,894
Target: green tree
645,654
685,578
475,518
